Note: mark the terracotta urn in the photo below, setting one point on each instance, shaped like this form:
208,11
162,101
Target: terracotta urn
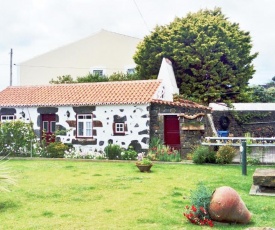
227,206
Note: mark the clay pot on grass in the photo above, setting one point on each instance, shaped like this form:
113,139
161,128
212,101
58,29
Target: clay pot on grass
227,206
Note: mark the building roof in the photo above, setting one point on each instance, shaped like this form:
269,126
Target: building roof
243,106
181,103
80,94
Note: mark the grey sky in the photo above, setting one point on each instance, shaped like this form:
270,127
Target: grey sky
33,27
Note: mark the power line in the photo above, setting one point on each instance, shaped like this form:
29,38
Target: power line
61,67
142,16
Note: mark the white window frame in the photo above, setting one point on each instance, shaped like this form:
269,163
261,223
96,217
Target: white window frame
130,69
119,127
84,125
7,118
53,127
95,69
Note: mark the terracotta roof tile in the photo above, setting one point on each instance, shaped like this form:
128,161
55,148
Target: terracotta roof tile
101,93
182,103
81,94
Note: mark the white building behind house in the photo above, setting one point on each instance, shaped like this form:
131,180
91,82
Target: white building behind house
103,53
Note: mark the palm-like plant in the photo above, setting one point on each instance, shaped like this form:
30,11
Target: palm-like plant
5,178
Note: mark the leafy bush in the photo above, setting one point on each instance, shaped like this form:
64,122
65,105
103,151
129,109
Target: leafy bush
225,154
199,155
56,150
129,154
203,154
210,156
16,138
253,160
113,151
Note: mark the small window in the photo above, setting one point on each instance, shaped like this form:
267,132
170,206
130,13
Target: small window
119,129
84,125
98,72
6,118
130,71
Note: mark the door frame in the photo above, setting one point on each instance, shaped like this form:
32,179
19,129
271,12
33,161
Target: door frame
175,146
48,121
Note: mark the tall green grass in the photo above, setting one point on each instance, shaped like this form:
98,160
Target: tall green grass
60,194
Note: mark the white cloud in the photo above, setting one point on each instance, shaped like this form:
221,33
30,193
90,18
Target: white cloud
32,27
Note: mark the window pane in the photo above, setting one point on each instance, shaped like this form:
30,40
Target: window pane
52,126
45,126
88,129
80,128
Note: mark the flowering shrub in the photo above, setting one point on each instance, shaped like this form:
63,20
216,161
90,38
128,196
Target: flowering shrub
78,154
164,153
200,200
225,154
198,216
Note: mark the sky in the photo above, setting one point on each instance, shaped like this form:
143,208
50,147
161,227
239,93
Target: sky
33,27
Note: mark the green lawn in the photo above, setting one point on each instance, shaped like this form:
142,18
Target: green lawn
60,194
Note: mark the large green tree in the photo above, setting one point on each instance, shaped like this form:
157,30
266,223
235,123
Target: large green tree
211,56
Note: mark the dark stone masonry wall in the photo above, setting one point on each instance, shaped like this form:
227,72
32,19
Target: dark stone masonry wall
188,138
257,123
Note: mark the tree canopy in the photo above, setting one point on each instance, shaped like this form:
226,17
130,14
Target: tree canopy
67,79
211,56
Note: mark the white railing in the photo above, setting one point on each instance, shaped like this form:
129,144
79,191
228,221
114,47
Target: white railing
262,148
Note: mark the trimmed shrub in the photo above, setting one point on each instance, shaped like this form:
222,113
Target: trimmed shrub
199,155
129,154
225,154
113,152
204,154
210,156
56,150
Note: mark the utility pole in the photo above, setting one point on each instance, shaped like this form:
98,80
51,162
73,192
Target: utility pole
11,68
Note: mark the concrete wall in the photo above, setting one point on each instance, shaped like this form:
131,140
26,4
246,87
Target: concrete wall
104,50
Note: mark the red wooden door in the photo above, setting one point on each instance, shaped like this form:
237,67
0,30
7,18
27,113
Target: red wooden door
48,127
172,131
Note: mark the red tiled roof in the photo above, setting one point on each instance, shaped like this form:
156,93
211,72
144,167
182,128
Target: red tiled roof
182,103
81,94
100,93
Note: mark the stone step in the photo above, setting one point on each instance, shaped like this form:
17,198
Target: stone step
264,177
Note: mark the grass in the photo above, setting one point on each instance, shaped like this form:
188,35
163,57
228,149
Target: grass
53,194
